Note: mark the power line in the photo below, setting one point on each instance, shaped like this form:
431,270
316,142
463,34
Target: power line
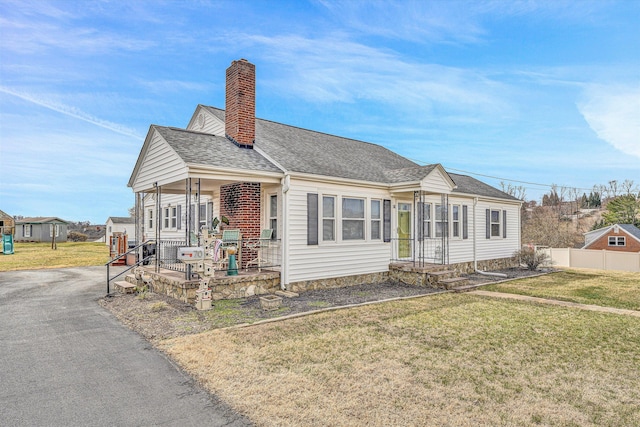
509,179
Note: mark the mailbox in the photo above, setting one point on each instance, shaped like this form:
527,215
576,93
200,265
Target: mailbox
191,254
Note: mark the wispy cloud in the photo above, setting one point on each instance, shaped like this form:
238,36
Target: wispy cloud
613,112
338,69
72,112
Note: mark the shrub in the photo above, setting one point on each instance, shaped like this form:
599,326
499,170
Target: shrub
76,236
531,257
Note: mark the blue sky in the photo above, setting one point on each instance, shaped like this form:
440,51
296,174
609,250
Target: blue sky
534,92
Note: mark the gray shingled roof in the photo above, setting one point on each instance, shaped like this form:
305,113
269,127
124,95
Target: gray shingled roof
317,153
631,229
41,220
467,185
122,219
205,149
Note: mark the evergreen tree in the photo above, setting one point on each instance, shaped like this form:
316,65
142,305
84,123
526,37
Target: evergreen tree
623,210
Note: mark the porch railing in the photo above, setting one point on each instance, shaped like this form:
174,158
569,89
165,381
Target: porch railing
418,251
254,254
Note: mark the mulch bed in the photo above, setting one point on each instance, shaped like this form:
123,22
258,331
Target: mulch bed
158,317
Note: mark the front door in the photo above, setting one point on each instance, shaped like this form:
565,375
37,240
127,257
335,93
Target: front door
404,230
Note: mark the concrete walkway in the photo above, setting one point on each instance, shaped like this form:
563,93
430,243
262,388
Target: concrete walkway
65,361
556,302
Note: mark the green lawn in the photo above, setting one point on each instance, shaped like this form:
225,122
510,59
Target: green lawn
30,256
606,288
449,359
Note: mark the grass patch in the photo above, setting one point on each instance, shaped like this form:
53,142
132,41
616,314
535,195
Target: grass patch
319,304
30,256
226,313
442,360
616,289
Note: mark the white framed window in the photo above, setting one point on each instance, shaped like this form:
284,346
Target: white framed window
26,230
441,220
353,227
495,223
328,218
426,220
455,220
174,217
376,220
166,218
617,241
273,215
150,218
53,227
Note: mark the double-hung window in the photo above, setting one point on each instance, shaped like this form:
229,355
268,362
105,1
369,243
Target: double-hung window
425,214
455,220
328,218
495,223
150,219
166,217
441,220
174,217
26,230
202,216
617,241
376,223
353,219
53,227
273,215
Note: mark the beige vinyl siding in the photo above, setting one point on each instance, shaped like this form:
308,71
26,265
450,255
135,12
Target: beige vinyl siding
161,164
497,247
436,182
212,125
331,259
461,250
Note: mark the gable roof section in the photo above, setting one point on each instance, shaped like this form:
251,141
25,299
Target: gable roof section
211,150
592,236
41,220
121,219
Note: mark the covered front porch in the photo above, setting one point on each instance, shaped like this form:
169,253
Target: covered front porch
422,220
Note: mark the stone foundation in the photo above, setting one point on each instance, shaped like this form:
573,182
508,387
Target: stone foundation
486,265
338,282
174,284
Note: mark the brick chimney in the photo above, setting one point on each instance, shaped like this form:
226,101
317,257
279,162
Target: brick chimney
240,116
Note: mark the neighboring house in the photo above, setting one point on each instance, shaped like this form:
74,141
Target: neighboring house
41,229
7,223
120,224
337,206
617,237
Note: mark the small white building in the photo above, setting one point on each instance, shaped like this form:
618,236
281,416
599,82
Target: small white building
120,224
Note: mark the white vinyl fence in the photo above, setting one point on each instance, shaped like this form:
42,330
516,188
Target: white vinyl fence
598,259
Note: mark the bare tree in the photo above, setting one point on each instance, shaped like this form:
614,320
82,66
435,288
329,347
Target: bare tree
629,188
517,191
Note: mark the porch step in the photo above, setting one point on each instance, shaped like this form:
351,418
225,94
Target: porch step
131,278
439,276
125,287
454,283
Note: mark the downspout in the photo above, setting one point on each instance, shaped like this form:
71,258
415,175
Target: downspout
284,253
475,258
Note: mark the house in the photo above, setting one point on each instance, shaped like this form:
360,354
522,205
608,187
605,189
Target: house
7,223
120,224
617,237
41,229
339,208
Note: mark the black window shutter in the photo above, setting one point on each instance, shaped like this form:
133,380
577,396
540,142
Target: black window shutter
420,221
312,219
465,222
504,224
179,215
386,220
488,223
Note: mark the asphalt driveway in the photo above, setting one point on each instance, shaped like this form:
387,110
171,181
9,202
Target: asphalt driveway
65,361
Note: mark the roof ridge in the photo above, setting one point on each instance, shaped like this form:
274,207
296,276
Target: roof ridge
309,130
